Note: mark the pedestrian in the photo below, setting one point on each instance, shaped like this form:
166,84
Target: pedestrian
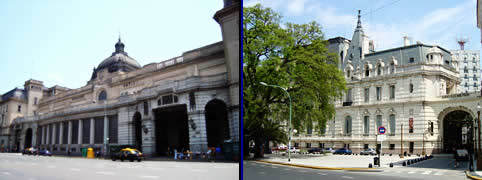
175,154
68,152
455,157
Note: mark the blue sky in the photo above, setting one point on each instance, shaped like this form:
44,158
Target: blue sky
60,42
387,21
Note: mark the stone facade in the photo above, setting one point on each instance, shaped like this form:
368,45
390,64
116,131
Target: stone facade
120,105
413,87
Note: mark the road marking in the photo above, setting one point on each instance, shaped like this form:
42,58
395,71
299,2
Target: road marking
151,177
427,172
411,172
347,177
6,173
274,167
322,174
105,173
438,173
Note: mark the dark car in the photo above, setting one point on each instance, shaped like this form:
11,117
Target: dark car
44,152
128,154
314,150
343,151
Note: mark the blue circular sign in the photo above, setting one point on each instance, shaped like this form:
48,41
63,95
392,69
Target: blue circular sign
381,130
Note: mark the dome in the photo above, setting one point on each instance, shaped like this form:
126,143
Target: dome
118,61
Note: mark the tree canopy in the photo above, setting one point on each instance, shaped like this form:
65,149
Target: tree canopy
294,57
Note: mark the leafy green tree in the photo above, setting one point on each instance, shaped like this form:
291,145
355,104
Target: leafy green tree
294,57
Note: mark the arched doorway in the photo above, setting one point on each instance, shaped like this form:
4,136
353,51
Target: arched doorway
217,125
454,133
28,138
137,130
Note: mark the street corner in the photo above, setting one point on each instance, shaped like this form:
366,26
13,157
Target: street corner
355,169
473,175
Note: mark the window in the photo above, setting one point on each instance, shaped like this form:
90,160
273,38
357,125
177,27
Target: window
102,96
113,126
367,94
379,93
296,144
379,122
393,125
86,131
466,85
99,130
465,77
75,132
465,59
348,73
475,84
192,101
466,70
348,96
341,56
19,108
146,108
412,60
475,77
365,146
392,92
366,125
367,72
379,70
392,146
392,68
308,145
360,49
475,70
65,132
411,88
348,125
321,145
35,100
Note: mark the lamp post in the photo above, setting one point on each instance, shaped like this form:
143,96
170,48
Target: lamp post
289,125
479,161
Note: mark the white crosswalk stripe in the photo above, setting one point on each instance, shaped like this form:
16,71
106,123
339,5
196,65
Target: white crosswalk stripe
427,172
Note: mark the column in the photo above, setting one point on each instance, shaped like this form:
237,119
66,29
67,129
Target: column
61,131
91,130
69,133
54,134
47,134
42,135
79,139
106,133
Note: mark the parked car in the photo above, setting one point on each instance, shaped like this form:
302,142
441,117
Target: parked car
368,151
328,150
314,150
44,152
294,150
29,151
343,151
128,154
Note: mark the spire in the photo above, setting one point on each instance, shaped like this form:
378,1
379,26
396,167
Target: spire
358,26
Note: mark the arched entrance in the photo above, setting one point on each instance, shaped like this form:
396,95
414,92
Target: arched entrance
28,138
457,134
217,125
137,130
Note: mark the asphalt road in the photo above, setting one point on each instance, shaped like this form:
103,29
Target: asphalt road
18,167
441,169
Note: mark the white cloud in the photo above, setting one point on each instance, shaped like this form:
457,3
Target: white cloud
329,18
296,7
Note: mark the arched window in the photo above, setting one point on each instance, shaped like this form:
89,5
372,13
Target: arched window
379,70
360,52
348,125
392,124
367,71
348,74
102,96
341,56
392,67
411,88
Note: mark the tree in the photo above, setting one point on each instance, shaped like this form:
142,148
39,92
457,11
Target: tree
294,57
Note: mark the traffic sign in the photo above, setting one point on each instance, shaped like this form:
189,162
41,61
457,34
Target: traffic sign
382,130
381,137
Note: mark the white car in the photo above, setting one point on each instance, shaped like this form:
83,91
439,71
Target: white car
294,150
328,150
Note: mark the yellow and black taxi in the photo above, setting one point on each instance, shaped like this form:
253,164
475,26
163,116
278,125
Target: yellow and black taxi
128,154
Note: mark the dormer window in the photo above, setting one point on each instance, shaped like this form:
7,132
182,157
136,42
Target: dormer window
367,72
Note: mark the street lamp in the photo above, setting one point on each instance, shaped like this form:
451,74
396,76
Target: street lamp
479,161
289,125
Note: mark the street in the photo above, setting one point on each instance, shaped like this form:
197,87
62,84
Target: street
429,169
19,167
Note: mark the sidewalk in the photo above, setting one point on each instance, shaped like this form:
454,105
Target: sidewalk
335,162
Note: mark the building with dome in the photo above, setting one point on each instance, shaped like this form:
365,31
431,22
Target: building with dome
412,91
189,102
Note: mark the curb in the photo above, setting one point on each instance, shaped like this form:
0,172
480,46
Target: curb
472,176
324,168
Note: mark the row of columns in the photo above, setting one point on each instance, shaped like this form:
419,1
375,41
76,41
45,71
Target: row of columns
46,138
